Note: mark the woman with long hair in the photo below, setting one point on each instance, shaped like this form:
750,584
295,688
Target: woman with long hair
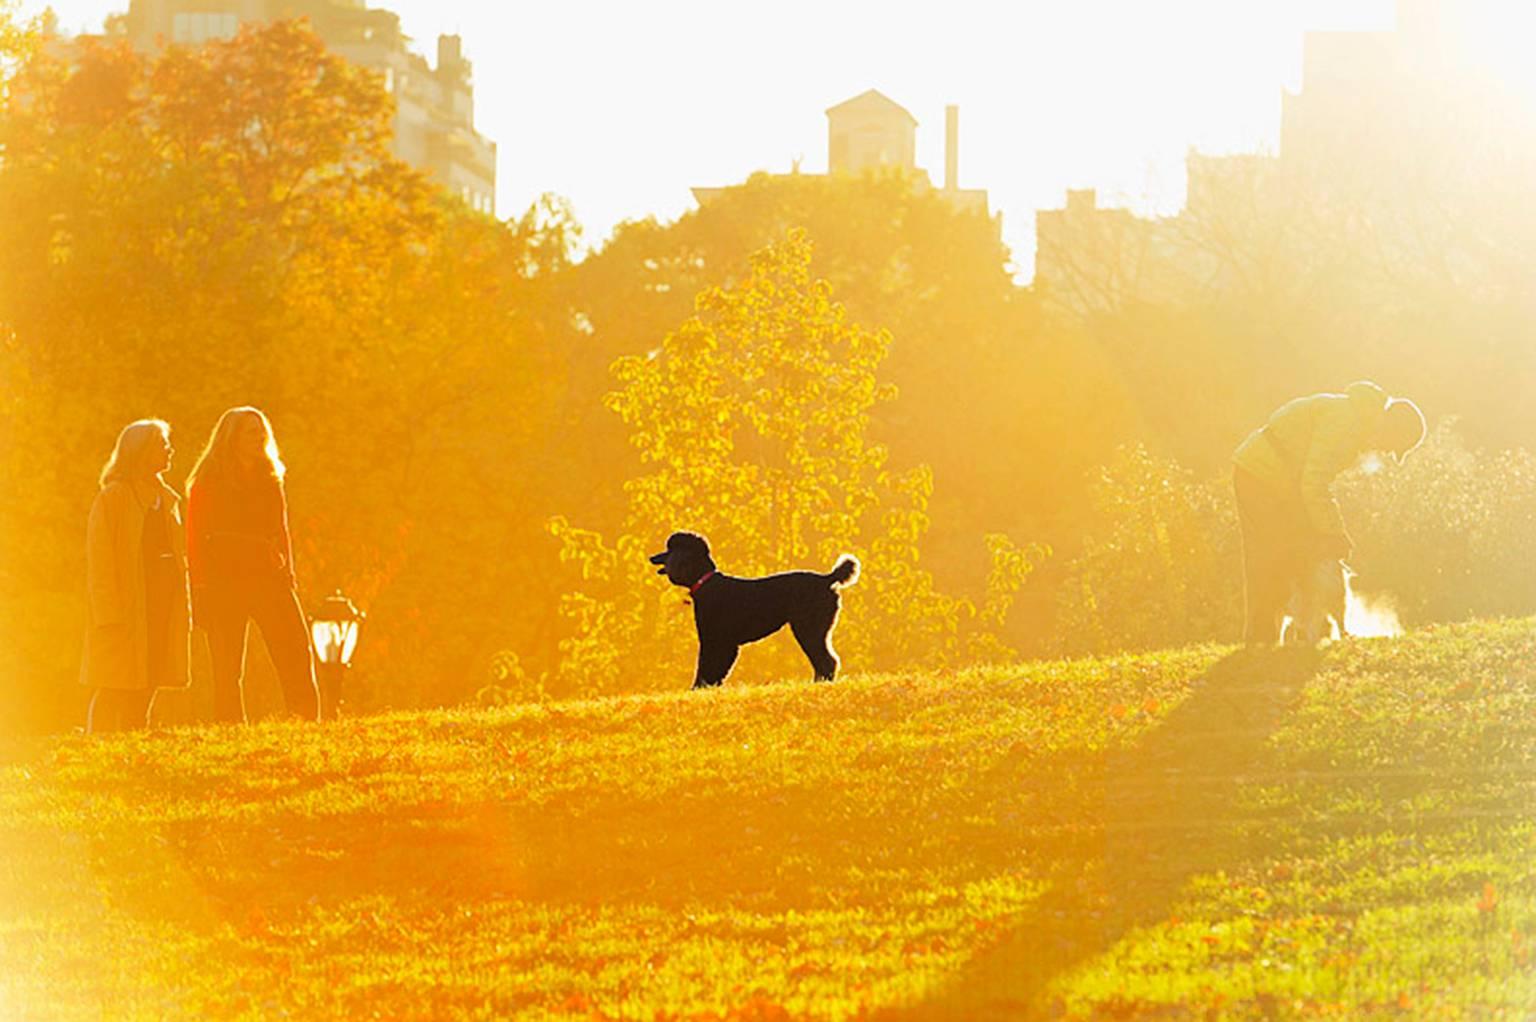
241,558
136,575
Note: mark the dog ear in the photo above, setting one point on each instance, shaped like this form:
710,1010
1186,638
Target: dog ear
690,542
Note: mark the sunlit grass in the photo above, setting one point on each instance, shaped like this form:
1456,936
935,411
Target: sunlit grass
1194,833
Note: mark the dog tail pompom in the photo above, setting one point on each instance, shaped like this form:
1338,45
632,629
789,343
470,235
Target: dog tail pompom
847,571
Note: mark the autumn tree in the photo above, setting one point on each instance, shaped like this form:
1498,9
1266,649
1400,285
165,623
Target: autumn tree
16,38
752,423
1010,414
224,225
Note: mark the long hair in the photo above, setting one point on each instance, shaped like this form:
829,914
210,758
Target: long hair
128,454
218,462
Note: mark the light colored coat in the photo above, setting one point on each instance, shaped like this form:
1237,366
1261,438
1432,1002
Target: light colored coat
116,639
1308,442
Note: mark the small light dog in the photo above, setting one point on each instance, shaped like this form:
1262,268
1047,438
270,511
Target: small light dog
1318,597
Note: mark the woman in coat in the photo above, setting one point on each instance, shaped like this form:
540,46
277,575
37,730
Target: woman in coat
241,559
136,573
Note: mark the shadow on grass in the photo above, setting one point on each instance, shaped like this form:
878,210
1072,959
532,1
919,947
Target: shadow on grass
1168,814
1116,836
794,847
788,849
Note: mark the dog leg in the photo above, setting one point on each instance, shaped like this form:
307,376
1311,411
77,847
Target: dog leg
811,634
715,662
1339,600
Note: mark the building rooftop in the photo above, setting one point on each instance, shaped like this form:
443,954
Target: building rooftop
871,100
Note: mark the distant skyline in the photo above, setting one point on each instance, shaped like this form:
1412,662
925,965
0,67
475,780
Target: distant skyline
621,108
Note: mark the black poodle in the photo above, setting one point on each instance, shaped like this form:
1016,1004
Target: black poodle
730,612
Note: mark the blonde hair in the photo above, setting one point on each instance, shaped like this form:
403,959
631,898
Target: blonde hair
217,462
128,454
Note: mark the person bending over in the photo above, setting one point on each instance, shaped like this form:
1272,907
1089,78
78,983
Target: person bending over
1283,475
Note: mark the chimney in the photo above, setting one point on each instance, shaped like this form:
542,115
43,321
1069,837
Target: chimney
951,148
1082,200
450,51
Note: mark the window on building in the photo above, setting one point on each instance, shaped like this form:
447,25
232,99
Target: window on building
197,27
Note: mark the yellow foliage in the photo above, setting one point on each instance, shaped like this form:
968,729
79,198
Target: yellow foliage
1160,559
751,421
199,228
16,40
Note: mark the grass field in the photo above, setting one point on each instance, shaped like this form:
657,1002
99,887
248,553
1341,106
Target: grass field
1204,833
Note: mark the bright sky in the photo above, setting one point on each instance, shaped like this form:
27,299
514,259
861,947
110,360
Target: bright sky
622,106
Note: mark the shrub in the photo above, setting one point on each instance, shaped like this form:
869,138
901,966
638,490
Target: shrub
1160,562
1450,533
750,421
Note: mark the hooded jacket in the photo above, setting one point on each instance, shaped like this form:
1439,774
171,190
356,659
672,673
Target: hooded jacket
1307,442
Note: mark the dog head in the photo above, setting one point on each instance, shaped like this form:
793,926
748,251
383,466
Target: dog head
685,560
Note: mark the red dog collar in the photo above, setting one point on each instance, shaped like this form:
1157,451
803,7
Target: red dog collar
695,587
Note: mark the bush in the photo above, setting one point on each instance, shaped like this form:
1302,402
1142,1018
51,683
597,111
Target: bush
1160,564
1450,533
751,421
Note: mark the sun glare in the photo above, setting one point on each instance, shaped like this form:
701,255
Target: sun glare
889,574
1369,619
1495,37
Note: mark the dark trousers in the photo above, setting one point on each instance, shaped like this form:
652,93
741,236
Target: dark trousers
118,709
1278,550
276,611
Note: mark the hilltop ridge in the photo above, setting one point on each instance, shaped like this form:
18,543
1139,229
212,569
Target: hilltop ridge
1196,831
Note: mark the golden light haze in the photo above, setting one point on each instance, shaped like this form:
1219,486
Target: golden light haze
623,107
1062,758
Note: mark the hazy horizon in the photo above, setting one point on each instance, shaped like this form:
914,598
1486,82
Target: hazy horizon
655,102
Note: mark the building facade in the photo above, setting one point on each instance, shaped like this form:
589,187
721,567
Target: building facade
1375,127
434,106
1092,258
868,132
872,132
1372,103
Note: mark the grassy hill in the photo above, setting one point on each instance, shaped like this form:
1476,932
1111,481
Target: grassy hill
1202,833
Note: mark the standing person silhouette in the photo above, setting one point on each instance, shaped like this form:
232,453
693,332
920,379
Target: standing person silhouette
136,575
1282,476
241,558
